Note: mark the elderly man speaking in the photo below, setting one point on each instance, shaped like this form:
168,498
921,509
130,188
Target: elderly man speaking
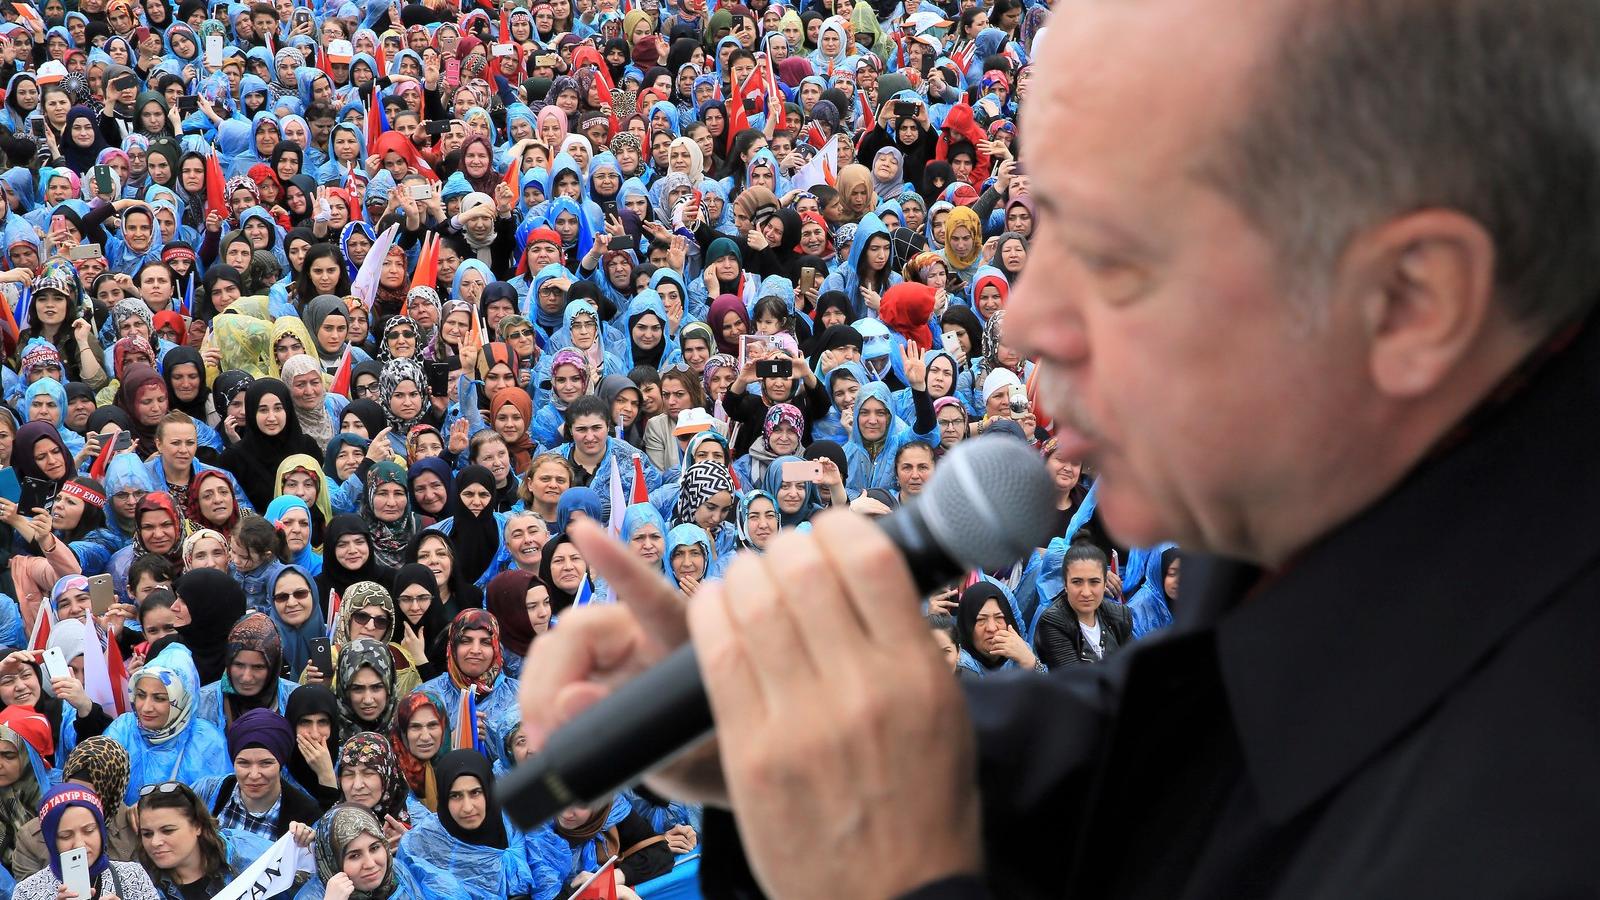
1312,289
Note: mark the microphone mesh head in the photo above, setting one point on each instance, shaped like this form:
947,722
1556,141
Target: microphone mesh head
990,503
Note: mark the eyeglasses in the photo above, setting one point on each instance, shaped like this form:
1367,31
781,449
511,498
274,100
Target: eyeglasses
520,333
675,367
367,390
362,618
406,334
165,787
301,594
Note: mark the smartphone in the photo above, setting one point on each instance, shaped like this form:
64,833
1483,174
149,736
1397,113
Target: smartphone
188,105
55,664
950,341
807,471
1018,399
504,50
439,375
808,279
101,594
436,127
546,60
781,367
214,51
84,251
10,488
37,493
38,128
124,440
422,191
452,71
905,109
752,103
103,180
321,656
75,871
302,15
1114,568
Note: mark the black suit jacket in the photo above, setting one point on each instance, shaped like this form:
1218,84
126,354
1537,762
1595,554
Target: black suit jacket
1410,710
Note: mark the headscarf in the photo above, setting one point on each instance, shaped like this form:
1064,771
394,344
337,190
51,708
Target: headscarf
262,728
396,371
307,700
972,602
256,632
334,576
388,538
476,537
256,463
336,829
469,620
456,764
158,501
372,750
419,774
56,802
295,641
103,763
353,656
700,482
20,799
523,448
181,712
559,599
179,356
315,422
574,499
215,602
963,216
507,598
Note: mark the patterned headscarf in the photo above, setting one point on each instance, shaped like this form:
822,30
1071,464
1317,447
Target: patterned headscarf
364,652
418,773
337,828
255,632
700,482
359,596
104,764
194,539
396,371
388,538
784,414
182,710
395,322
482,620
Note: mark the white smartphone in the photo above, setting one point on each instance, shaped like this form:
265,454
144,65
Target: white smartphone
951,341
75,871
55,664
214,51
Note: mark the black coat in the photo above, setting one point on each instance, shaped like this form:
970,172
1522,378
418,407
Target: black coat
1406,711
1061,644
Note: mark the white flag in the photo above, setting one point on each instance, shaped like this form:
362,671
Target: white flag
271,874
822,169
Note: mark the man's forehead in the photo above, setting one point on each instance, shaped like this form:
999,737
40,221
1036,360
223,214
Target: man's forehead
1128,83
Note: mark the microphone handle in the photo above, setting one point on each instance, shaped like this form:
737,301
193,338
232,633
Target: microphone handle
660,712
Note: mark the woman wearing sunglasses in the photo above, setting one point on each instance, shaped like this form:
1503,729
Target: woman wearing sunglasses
184,851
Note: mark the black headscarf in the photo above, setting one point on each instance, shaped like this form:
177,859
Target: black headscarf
215,602
254,461
307,700
370,414
832,338
435,622
832,450
226,387
175,357
476,538
453,765
559,599
463,593
337,578
972,601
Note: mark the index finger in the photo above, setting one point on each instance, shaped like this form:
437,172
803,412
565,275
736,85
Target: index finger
879,583
642,589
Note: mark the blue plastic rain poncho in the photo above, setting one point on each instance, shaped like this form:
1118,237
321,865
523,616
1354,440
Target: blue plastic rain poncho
686,535
1150,607
51,389
772,484
846,278
872,462
184,748
640,516
453,862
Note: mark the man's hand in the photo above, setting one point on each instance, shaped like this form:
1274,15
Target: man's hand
600,646
820,673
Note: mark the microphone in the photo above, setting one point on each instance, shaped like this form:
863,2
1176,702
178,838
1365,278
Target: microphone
990,503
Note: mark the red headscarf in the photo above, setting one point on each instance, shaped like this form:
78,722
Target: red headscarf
522,450
905,308
192,503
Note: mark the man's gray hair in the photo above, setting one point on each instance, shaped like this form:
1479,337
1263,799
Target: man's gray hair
1370,109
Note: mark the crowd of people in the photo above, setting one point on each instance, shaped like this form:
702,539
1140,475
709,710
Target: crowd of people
323,324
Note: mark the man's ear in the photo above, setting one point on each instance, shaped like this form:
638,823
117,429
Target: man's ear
1423,287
